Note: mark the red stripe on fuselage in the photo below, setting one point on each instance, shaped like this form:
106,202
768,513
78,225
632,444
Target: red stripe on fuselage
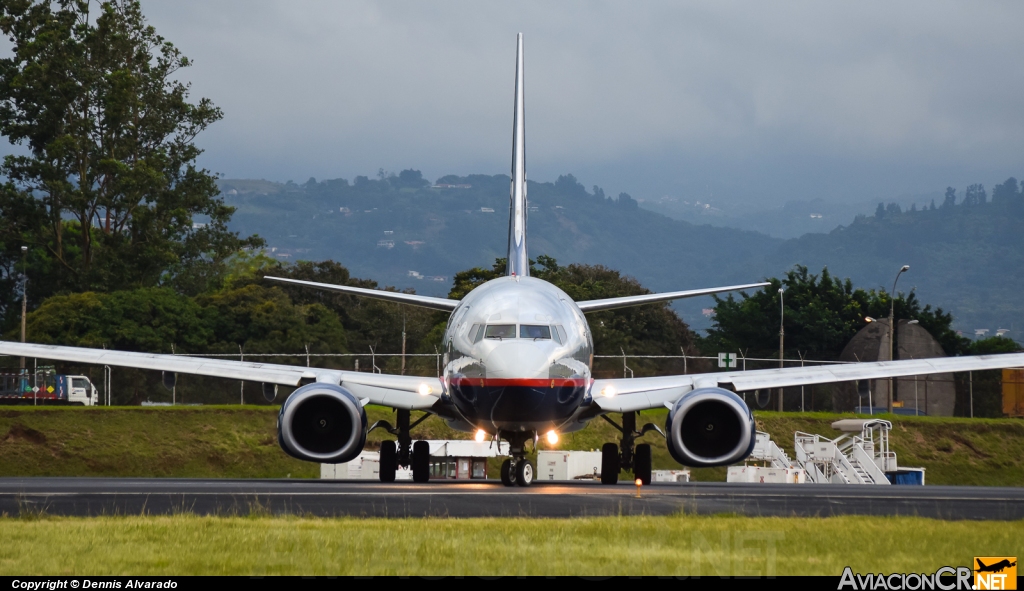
521,382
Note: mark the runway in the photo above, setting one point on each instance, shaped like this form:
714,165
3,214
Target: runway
134,496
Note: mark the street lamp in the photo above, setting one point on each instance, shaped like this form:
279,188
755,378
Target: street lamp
892,331
24,298
782,335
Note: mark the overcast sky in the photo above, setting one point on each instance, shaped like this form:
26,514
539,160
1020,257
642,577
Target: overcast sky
750,101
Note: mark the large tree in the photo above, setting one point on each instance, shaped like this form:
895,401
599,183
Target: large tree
105,188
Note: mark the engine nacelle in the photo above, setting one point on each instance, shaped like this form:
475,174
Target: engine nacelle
710,427
322,423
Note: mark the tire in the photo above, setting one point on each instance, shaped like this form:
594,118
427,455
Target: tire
420,461
508,474
388,461
524,473
642,463
609,463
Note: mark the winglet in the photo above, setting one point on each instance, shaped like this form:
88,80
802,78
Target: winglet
518,261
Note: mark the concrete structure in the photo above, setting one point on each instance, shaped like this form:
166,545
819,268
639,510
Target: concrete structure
677,476
932,394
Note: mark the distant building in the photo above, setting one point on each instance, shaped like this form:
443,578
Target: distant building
389,232
415,243
1002,332
447,186
385,244
415,274
980,332
486,210
708,312
815,216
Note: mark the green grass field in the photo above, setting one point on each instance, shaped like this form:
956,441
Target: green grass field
680,545
241,442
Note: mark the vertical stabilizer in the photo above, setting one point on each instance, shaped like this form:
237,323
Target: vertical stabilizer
518,260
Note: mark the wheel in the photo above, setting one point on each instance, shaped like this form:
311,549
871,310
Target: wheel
609,463
388,461
524,472
420,461
642,463
508,473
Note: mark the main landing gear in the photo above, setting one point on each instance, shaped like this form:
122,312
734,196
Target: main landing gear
517,470
405,453
626,455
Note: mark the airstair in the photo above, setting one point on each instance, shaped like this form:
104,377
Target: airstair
849,459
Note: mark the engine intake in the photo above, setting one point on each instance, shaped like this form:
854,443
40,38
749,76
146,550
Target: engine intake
322,423
710,427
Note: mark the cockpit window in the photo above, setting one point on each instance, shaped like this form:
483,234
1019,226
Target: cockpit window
560,334
534,331
476,333
500,331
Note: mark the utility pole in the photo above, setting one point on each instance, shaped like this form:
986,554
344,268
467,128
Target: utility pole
24,298
782,336
241,357
892,334
970,377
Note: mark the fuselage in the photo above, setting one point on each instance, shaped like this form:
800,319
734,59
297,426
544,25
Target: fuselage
518,356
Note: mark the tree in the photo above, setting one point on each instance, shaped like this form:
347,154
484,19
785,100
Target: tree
108,188
950,199
1006,192
822,313
975,195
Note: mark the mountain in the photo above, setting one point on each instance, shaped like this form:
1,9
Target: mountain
404,231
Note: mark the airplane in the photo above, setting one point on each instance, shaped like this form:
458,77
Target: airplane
518,358
994,568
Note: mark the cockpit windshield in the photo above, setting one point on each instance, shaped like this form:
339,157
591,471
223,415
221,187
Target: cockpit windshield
500,331
534,331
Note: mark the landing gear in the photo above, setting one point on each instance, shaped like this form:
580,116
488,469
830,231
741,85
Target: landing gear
524,472
609,463
421,461
626,455
508,473
388,461
642,464
518,469
393,455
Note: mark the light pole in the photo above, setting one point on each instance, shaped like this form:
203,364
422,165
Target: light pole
892,332
24,298
782,334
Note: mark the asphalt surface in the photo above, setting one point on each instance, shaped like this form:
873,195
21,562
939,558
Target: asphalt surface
134,496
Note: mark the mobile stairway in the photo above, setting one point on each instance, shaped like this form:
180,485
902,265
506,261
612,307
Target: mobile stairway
860,456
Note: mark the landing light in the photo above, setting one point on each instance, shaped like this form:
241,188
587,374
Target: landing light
480,435
425,390
552,437
608,391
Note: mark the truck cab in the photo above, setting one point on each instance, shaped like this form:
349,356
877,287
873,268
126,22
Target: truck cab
79,390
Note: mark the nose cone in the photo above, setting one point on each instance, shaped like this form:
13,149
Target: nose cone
519,358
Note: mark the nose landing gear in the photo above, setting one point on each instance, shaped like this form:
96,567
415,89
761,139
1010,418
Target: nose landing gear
517,470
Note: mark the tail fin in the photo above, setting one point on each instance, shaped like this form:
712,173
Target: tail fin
518,260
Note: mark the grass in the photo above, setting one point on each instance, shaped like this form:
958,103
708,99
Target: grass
679,545
241,442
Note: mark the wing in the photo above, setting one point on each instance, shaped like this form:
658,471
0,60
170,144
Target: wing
629,394
407,392
388,296
651,298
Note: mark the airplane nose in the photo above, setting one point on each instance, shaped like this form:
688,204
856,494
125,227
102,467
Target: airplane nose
518,359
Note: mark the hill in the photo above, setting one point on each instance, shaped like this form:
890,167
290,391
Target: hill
240,442
402,230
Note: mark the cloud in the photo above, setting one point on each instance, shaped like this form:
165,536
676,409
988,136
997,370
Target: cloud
781,98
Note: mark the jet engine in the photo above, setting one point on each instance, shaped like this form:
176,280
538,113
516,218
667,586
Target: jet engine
322,423
710,427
